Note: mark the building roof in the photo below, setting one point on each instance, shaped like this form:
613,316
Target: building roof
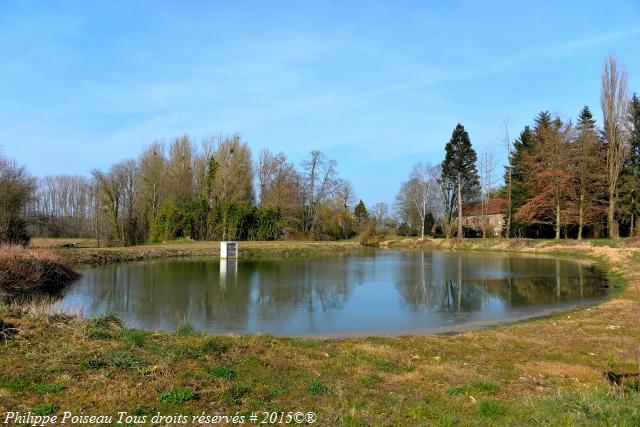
494,207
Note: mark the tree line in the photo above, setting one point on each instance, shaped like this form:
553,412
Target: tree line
207,191
562,179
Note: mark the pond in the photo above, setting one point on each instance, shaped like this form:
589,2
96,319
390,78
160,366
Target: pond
363,292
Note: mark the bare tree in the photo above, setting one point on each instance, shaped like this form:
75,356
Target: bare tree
16,188
379,215
126,173
234,180
180,171
487,182
319,183
508,145
614,102
279,186
110,193
153,166
418,196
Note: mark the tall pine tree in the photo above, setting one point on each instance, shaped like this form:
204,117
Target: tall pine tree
547,171
360,212
589,179
459,173
519,193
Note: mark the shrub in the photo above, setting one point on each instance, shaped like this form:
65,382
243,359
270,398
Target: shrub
23,270
16,189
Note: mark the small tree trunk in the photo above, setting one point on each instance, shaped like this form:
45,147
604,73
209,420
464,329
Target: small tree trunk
633,225
581,216
558,220
424,216
485,207
611,220
459,207
508,230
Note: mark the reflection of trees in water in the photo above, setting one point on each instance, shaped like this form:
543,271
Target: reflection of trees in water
285,287
261,294
467,281
164,293
430,279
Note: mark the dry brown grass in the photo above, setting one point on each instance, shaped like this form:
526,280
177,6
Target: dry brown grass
27,270
540,372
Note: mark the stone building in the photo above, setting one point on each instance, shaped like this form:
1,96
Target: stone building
494,216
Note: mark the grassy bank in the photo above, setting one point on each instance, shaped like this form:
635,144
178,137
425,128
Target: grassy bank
88,254
547,371
24,270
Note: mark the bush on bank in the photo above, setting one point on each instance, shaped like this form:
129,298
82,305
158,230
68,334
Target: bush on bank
24,270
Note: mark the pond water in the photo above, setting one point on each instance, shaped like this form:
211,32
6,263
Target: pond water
364,292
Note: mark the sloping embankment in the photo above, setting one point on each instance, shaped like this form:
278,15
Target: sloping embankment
24,270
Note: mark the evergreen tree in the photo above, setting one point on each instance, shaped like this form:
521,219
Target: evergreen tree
589,179
429,221
547,168
543,120
519,193
360,212
459,173
630,188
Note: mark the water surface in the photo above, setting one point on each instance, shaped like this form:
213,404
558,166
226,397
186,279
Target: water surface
369,291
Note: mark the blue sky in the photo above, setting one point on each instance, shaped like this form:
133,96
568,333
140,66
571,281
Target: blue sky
376,85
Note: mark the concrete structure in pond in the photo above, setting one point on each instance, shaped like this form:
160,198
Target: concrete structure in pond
472,216
228,250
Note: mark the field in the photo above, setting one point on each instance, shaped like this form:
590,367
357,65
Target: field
86,251
541,372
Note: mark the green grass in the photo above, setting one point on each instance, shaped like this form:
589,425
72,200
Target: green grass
48,388
491,409
540,372
44,410
316,387
216,346
222,372
136,337
475,387
93,363
124,359
16,384
185,330
178,395
234,394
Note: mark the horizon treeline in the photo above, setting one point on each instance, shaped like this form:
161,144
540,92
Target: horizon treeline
207,191
562,179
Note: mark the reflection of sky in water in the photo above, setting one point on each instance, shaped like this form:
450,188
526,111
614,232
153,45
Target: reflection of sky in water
366,291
